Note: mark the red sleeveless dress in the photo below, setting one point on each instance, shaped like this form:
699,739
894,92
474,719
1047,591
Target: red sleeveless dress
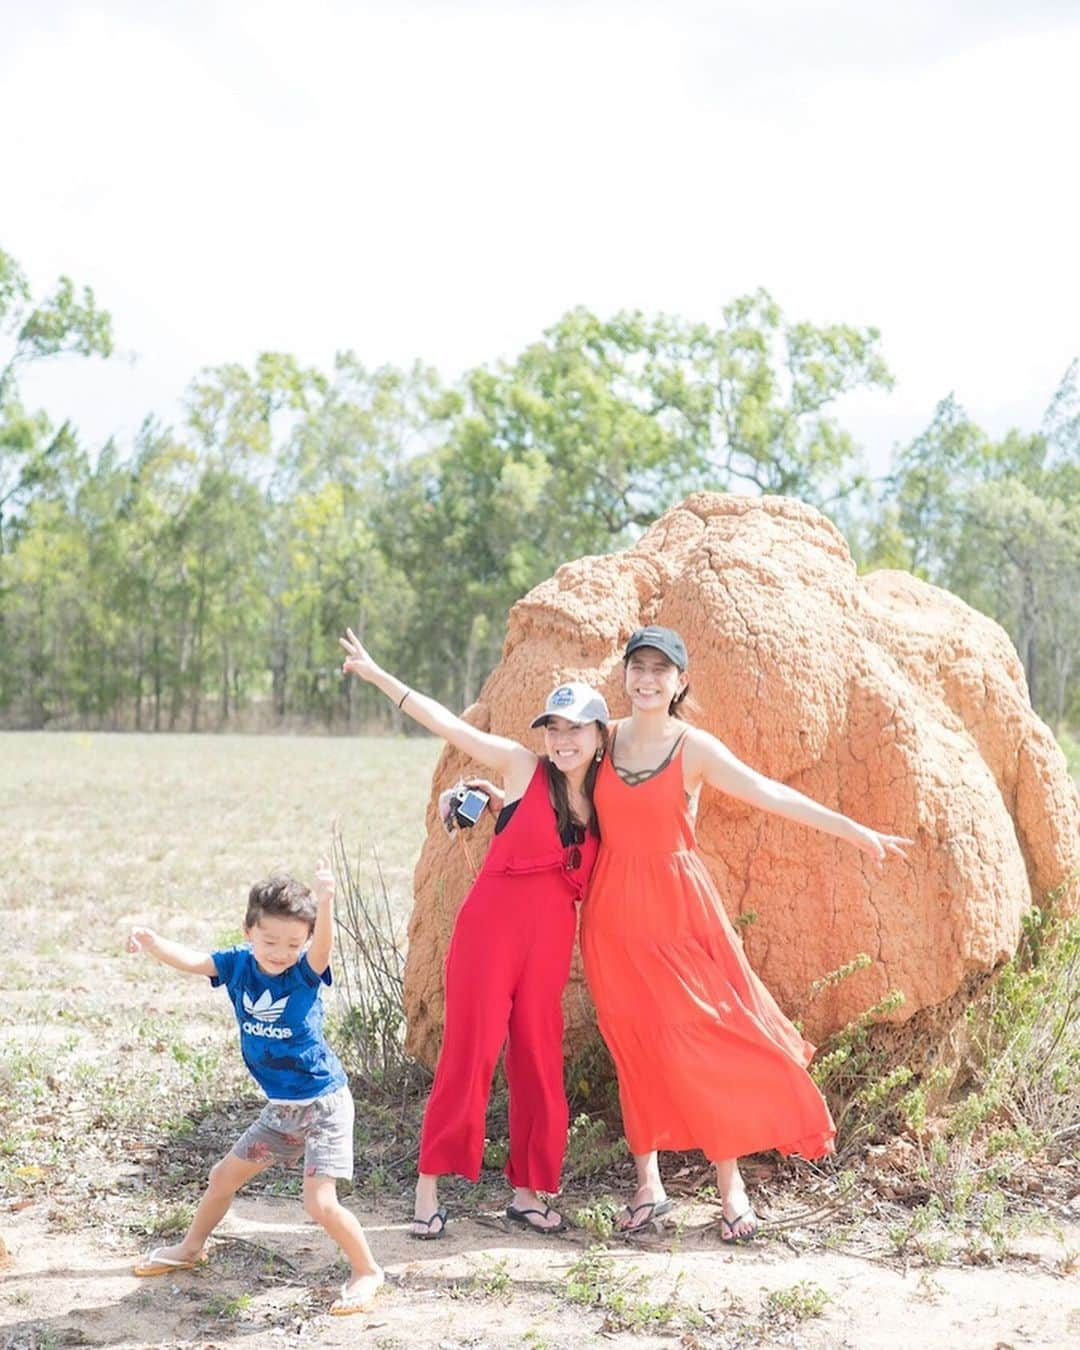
705,1058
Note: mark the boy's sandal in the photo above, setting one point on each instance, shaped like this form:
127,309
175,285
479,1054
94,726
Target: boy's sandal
728,1226
655,1209
521,1216
438,1217
156,1264
360,1297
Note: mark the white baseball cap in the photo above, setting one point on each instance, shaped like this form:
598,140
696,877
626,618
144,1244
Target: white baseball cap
576,702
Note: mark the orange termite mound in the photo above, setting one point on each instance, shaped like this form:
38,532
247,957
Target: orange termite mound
881,696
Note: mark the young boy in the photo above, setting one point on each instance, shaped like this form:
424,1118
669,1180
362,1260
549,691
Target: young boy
274,982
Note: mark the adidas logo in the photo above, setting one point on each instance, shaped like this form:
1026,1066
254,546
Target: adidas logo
265,1008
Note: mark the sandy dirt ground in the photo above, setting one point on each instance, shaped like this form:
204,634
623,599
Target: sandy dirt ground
272,1277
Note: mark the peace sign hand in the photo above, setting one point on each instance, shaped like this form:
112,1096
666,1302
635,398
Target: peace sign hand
324,881
357,661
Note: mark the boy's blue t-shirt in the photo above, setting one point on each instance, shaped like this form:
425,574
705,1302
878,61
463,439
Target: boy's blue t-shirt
280,1017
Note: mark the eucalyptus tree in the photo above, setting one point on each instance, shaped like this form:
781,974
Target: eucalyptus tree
33,452
581,441
998,523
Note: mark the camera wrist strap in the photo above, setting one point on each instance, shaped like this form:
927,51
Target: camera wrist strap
468,855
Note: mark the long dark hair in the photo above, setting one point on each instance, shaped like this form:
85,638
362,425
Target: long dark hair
675,706
560,794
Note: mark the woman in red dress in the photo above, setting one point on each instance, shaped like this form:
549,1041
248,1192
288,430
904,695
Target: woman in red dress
509,955
704,1056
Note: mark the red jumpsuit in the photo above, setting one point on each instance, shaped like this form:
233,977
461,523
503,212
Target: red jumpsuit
506,968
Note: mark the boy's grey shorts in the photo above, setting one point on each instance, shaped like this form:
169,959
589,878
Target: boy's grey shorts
322,1131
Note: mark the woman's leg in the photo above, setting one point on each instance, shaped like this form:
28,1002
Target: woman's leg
650,1191
539,1115
735,1206
479,976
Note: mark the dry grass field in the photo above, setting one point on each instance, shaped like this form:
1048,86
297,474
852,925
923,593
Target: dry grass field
120,1083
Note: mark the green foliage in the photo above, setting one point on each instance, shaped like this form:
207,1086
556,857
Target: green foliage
171,1222
493,1279
998,522
35,457
225,1308
856,1077
1020,1098
797,1302
371,971
210,569
1070,747
593,1282
597,1218
1027,1036
590,1148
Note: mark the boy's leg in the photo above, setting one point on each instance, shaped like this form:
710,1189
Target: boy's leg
322,1205
328,1154
226,1178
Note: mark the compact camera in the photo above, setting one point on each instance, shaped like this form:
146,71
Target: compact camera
466,806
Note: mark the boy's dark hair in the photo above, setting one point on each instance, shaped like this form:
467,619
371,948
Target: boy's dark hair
283,898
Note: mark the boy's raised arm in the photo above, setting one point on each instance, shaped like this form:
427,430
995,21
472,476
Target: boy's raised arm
322,936
174,954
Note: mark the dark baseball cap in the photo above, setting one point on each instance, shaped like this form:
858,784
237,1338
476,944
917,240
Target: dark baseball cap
664,640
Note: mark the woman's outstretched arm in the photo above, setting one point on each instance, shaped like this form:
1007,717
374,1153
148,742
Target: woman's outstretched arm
511,760
708,760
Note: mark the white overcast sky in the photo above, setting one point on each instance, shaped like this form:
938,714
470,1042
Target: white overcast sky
443,180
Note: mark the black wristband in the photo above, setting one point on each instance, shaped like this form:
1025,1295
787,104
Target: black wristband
404,696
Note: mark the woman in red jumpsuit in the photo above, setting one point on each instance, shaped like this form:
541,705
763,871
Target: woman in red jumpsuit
509,955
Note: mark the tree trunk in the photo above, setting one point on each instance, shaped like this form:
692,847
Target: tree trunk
139,681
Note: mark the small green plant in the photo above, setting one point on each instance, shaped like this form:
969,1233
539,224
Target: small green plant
593,1282
175,1220
589,1148
496,1152
202,1064
222,1307
493,1278
925,1232
597,1218
797,1302
859,1082
927,1289
590,1080
1023,1098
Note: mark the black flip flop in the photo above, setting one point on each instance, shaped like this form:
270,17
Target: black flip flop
429,1236
730,1225
521,1216
655,1209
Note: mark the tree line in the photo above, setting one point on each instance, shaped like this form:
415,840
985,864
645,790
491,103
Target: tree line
197,579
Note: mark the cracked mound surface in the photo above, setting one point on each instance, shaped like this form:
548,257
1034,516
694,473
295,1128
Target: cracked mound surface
881,696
